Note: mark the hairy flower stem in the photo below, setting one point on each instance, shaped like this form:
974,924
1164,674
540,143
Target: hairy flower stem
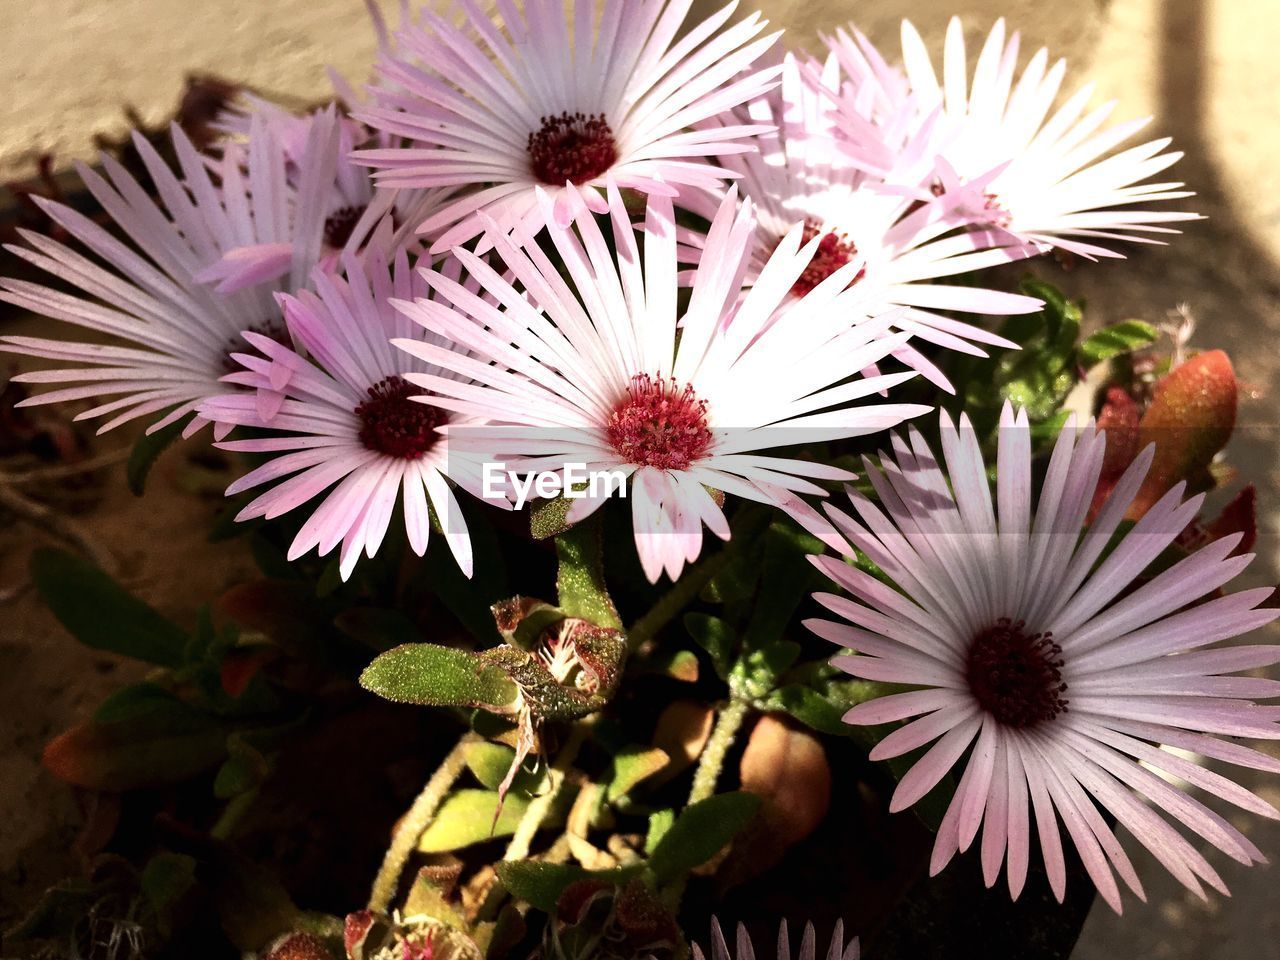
413,823
529,824
713,754
752,520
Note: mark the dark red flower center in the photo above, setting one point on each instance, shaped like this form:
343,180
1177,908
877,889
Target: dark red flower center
1016,676
339,225
393,423
658,424
572,147
273,329
834,251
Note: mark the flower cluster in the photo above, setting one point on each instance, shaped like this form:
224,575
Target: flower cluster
598,235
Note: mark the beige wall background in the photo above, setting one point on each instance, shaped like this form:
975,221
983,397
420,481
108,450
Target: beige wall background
1208,69
68,67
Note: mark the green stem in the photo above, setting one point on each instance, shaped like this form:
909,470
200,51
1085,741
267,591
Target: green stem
580,580
713,754
414,822
530,823
749,522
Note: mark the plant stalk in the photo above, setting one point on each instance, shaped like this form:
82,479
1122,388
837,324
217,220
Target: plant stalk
413,823
712,760
749,523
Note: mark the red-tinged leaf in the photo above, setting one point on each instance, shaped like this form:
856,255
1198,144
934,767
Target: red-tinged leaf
354,931
1119,418
145,751
284,610
299,946
241,666
1189,420
1238,516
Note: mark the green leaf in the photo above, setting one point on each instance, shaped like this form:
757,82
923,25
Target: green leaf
700,832
467,817
1116,339
165,882
437,676
147,450
378,627
159,746
787,578
809,707
135,700
660,822
580,579
244,768
633,765
547,518
489,763
758,672
714,636
541,884
100,613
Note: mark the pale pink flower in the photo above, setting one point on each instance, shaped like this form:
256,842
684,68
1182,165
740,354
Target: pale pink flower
599,375
1008,160
347,421
172,333
801,174
1037,647
546,101
743,949
333,206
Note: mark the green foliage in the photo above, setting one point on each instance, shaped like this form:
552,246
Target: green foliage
436,676
147,451
541,884
490,762
1116,340
631,766
700,832
472,816
580,580
100,613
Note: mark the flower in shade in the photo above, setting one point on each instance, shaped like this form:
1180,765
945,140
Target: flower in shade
332,204
801,174
170,333
1060,659
1008,160
544,102
605,374
743,949
347,423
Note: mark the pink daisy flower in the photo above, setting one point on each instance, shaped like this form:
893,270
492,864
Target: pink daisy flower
1033,646
605,373
743,949
334,206
544,102
173,333
1008,160
348,419
801,175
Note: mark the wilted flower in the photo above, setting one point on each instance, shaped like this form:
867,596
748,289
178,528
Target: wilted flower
1056,656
